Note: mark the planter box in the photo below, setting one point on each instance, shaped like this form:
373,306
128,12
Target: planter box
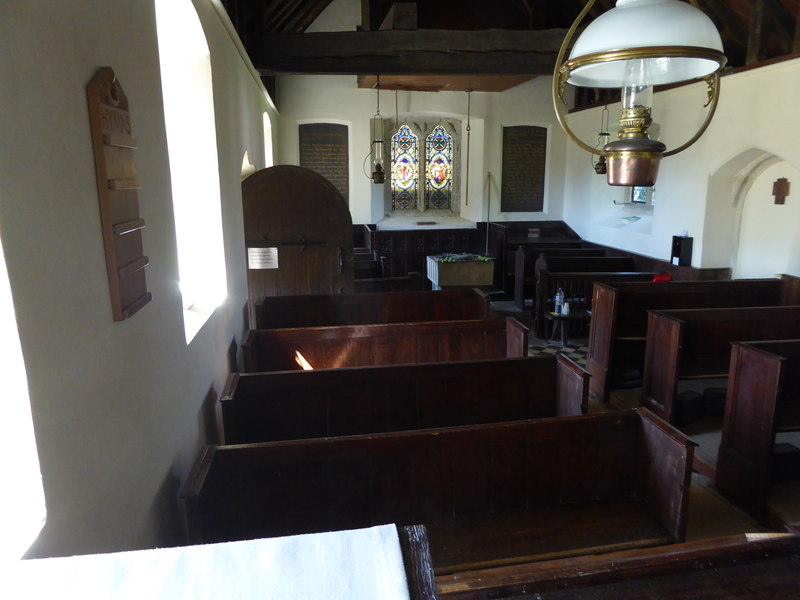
462,273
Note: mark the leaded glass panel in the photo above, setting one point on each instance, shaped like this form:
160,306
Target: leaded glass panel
405,169
438,169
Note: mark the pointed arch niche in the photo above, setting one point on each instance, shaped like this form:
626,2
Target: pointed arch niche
744,228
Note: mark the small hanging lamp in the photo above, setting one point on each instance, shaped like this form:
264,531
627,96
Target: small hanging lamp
376,146
602,139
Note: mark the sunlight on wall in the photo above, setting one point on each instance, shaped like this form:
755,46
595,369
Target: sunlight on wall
23,512
192,144
268,156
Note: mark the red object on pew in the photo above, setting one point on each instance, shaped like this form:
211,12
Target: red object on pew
662,277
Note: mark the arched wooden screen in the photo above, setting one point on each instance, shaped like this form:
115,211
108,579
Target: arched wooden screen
297,216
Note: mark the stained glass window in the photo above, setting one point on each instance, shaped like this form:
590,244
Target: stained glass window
405,169
438,169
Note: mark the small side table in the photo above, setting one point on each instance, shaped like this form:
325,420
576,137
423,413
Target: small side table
560,324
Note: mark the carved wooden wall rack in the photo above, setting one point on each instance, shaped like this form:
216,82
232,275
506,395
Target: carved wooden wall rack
117,185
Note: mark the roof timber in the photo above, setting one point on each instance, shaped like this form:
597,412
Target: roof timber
427,51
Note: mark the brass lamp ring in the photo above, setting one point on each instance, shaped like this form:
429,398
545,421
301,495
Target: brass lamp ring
573,64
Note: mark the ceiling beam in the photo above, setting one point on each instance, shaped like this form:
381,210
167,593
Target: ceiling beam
412,52
757,39
781,29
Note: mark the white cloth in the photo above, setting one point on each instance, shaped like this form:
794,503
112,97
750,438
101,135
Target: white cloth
348,565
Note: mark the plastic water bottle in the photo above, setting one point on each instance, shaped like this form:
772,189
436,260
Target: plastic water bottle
559,300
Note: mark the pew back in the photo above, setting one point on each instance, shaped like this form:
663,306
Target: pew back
279,312
691,343
384,344
577,288
414,281
618,327
584,264
525,272
488,494
261,407
763,399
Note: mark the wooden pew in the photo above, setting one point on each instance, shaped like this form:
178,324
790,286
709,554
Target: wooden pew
367,268
414,281
488,495
618,327
584,264
262,407
505,238
577,290
525,272
742,566
384,344
576,277
280,312
695,343
763,400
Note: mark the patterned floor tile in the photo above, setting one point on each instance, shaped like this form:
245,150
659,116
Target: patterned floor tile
573,351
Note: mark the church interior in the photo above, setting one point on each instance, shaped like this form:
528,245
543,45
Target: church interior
167,123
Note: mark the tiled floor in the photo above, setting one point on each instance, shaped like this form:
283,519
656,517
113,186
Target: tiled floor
576,352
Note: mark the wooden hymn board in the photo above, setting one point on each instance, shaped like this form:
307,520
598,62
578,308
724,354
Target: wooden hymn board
117,189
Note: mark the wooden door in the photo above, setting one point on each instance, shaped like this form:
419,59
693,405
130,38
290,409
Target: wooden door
303,220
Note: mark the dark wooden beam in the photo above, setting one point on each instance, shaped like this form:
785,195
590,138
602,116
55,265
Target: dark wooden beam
365,15
274,12
411,52
598,9
732,29
756,40
731,26
796,42
780,25
308,15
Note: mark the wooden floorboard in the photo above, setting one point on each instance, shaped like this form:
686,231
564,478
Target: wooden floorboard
543,534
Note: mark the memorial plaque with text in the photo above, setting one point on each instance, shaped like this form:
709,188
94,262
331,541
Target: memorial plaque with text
323,148
524,162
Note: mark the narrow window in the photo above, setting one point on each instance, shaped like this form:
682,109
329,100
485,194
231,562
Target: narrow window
438,169
22,507
405,169
192,145
268,160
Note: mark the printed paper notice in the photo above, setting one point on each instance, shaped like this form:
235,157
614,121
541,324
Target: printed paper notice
262,258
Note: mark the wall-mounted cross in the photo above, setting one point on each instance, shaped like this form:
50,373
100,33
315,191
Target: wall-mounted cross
780,189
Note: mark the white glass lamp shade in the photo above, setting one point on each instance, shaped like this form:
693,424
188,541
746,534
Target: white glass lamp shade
648,24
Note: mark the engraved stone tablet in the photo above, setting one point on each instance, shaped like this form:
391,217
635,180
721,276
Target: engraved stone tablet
323,148
524,162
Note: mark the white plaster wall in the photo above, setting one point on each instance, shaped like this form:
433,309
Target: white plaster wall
337,99
770,232
526,104
332,98
757,109
117,407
